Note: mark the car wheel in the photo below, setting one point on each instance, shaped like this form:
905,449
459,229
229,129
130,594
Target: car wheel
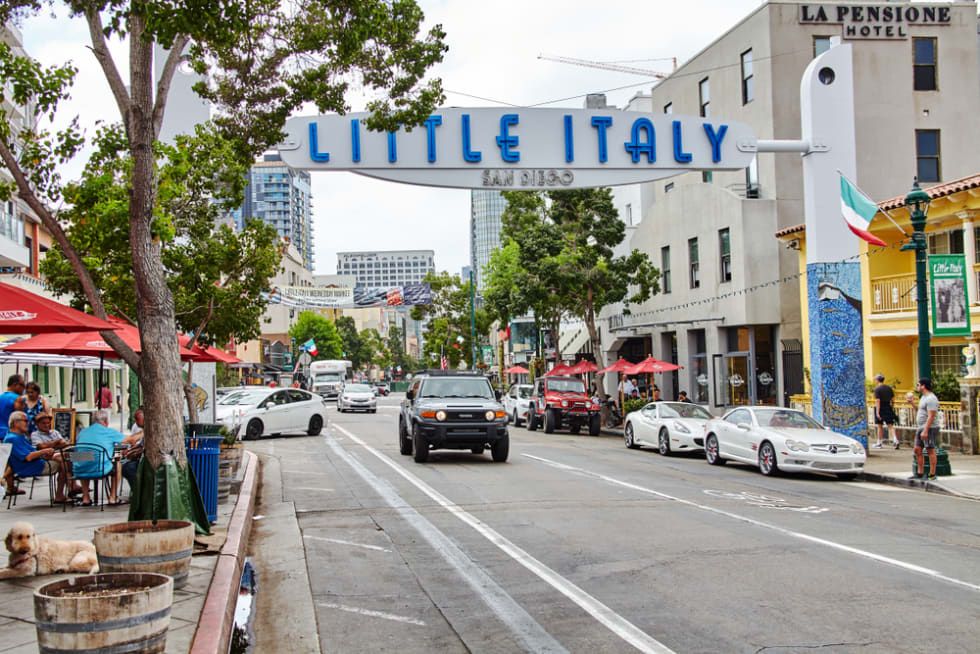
517,420
663,441
500,449
374,410
421,447
711,451
404,440
767,459
628,437
477,450
340,409
532,420
254,430
595,425
316,425
549,421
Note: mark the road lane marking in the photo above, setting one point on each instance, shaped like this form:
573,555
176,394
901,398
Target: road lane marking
371,614
935,574
347,542
311,488
602,613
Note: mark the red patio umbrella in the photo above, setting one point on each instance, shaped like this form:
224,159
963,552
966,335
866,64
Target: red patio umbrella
583,367
620,366
206,353
560,369
650,365
517,370
23,312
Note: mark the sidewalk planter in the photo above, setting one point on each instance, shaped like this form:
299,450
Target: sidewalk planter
164,547
120,612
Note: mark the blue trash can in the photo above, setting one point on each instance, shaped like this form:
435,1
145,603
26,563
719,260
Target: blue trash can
203,453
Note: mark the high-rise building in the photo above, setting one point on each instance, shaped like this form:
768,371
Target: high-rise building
390,268
486,207
281,196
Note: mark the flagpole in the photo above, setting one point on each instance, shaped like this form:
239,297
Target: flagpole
887,215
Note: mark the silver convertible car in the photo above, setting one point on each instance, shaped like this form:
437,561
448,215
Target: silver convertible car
777,439
667,426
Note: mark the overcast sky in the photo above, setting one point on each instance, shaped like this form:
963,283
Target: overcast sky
492,61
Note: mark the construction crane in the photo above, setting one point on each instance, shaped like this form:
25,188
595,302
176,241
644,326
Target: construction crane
602,65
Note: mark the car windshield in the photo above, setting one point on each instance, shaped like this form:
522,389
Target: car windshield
456,387
566,385
786,419
245,398
524,392
357,388
683,410
327,377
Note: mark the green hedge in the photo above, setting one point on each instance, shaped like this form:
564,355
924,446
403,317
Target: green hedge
630,406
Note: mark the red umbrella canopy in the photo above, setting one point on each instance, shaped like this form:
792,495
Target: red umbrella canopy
622,365
206,353
650,365
517,370
583,367
23,312
560,369
84,343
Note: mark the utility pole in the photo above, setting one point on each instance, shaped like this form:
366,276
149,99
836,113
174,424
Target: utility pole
472,322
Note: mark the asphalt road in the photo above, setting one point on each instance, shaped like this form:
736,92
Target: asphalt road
578,544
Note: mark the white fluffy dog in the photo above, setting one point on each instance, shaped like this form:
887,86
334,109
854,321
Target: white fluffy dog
32,556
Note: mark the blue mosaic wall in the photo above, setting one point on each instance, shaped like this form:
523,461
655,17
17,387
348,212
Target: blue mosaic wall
837,347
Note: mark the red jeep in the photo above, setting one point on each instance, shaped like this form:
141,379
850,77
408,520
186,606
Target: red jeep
562,402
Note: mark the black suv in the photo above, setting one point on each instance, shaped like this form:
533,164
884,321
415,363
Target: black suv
455,410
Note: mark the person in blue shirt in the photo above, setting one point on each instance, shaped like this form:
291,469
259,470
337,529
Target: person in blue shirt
26,460
98,433
15,388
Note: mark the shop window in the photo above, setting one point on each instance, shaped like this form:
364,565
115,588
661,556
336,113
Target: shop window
924,64
947,358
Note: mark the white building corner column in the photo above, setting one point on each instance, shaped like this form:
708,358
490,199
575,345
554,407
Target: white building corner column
970,250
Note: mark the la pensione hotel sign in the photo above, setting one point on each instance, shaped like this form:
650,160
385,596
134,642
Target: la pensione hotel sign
888,21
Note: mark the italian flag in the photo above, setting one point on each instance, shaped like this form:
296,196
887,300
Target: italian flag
858,210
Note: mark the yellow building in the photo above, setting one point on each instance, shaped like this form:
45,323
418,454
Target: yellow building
888,281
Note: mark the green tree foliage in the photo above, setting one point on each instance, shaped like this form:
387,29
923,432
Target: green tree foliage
353,347
563,264
449,321
396,346
263,60
216,276
322,330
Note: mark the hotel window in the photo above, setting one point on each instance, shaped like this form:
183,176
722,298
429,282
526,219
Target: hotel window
629,214
725,251
924,64
669,108
820,45
927,155
692,255
706,176
668,187
704,98
748,89
665,267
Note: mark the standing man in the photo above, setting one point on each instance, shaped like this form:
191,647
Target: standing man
884,413
15,388
103,399
927,431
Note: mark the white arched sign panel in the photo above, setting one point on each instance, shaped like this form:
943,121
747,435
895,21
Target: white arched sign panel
521,148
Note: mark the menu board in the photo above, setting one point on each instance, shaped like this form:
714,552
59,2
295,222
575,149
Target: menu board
64,422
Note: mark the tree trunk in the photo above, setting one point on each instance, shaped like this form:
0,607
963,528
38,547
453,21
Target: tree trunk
192,415
589,315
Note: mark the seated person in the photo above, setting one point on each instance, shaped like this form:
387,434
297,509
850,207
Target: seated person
28,461
132,454
780,419
45,436
98,433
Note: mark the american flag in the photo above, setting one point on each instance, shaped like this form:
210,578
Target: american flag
444,362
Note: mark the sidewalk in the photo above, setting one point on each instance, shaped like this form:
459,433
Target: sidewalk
890,466
190,603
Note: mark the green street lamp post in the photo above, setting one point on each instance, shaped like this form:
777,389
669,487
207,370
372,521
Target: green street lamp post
917,204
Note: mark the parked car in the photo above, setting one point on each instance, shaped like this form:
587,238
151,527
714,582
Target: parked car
562,402
357,397
667,426
776,439
516,402
382,388
256,411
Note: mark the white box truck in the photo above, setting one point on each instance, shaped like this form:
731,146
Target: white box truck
328,377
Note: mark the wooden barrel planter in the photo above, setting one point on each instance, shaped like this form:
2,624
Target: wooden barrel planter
164,547
118,612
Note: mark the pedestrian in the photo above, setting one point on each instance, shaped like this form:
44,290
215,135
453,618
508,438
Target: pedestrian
15,388
103,398
884,412
34,405
682,397
656,393
626,387
927,431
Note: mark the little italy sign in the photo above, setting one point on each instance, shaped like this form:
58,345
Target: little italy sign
521,148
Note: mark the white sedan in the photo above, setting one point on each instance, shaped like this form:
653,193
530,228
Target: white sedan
516,402
357,397
262,411
667,426
777,439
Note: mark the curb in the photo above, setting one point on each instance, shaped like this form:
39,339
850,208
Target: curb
214,627
928,486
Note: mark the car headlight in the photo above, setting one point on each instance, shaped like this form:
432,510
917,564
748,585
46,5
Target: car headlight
681,427
857,448
564,403
797,446
441,416
490,415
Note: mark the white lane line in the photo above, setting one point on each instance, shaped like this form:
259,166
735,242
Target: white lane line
329,490
347,542
602,613
526,630
304,472
371,614
935,574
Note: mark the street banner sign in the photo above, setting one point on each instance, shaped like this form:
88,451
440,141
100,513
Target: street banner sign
947,279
